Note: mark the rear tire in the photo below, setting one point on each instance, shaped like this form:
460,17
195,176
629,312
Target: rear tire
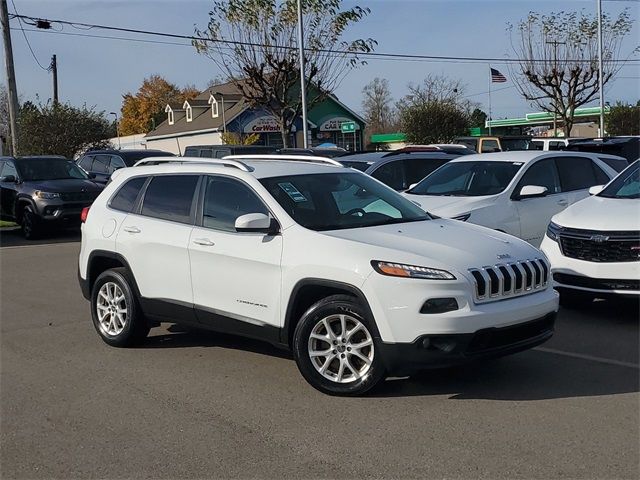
115,311
575,299
336,348
31,228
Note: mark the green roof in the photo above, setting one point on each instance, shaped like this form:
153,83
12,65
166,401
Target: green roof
388,138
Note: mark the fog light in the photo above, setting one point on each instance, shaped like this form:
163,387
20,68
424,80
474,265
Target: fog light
439,305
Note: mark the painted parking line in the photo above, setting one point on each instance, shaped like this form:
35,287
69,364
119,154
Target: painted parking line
592,358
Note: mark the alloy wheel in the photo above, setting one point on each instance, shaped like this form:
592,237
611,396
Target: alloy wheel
341,348
111,307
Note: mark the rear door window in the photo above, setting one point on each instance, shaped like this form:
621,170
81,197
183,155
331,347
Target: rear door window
576,173
170,197
116,162
391,174
101,163
126,197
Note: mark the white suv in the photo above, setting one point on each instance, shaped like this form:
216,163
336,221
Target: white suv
358,281
514,192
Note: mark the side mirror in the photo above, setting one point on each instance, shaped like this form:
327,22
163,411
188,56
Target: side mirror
596,189
8,179
532,191
257,223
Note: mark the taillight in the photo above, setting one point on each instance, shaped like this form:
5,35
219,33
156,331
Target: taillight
84,214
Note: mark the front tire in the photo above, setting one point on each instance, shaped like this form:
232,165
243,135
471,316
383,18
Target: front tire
335,347
115,311
31,228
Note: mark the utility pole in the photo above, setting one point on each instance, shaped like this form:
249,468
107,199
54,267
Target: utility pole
54,70
11,77
600,69
555,44
303,86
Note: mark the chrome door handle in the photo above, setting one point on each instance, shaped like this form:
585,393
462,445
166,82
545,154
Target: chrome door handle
203,241
132,229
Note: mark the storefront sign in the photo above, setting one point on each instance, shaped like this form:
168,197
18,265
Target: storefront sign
334,124
266,124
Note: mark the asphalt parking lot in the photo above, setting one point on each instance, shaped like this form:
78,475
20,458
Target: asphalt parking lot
192,404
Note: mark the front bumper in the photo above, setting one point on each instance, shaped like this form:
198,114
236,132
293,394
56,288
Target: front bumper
437,351
60,212
614,278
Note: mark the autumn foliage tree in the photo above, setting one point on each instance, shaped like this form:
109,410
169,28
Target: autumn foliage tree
144,110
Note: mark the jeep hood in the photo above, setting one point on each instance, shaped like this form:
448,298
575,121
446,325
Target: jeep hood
67,185
442,243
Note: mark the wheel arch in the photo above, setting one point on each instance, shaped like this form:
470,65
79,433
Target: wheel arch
102,260
21,202
309,291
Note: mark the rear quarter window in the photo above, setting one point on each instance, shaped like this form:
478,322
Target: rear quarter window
125,199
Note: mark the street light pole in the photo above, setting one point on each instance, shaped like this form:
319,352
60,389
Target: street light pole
600,68
117,129
303,87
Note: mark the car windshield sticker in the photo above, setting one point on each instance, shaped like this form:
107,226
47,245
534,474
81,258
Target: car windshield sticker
293,192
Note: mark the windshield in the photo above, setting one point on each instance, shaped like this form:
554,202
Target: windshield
334,201
625,185
469,179
49,169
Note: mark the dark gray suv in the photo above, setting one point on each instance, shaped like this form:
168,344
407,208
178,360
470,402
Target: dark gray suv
42,192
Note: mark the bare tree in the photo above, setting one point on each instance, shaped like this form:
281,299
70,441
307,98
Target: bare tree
377,104
253,42
437,88
558,70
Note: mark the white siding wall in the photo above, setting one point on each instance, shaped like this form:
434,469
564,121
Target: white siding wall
178,144
129,142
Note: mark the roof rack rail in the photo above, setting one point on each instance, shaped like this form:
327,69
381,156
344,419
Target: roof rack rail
226,162
291,158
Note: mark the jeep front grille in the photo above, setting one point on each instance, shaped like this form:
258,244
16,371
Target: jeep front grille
497,282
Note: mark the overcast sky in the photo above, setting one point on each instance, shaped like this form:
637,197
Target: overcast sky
98,71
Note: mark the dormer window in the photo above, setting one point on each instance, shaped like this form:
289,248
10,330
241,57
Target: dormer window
188,110
214,106
169,113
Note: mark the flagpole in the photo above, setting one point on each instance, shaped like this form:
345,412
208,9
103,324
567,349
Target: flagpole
489,99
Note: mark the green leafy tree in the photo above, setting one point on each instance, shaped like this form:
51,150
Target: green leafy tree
61,129
253,42
624,119
558,71
433,121
477,118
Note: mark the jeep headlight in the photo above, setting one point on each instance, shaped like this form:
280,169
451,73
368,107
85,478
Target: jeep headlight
46,195
410,271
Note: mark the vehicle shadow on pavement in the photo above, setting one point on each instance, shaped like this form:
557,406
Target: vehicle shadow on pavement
12,237
184,337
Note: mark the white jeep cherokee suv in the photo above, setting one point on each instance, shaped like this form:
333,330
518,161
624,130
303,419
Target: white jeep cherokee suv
355,279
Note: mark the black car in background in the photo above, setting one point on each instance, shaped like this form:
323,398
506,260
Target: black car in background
40,193
398,169
102,163
627,147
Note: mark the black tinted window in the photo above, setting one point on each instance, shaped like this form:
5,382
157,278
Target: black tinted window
126,197
541,174
85,163
416,169
8,169
576,173
618,164
169,197
101,163
227,199
116,162
391,174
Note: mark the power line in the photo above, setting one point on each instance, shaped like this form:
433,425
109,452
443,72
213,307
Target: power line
367,55
25,36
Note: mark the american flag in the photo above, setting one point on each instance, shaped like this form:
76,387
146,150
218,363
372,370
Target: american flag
497,77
